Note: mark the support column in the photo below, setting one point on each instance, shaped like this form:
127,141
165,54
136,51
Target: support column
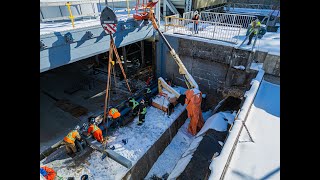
164,8
143,62
153,60
124,54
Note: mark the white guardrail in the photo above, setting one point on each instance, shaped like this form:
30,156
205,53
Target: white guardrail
205,29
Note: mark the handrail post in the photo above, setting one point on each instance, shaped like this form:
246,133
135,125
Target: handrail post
68,4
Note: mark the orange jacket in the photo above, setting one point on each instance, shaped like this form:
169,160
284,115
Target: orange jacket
93,128
193,102
114,113
51,173
71,137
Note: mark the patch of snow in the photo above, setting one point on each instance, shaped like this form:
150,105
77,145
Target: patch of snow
140,139
260,159
218,122
241,67
52,27
256,66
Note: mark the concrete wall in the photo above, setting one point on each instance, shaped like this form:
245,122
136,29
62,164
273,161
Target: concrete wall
271,63
211,65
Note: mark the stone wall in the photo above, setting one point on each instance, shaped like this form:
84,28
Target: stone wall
211,66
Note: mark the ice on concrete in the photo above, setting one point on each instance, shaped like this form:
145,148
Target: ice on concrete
140,139
261,159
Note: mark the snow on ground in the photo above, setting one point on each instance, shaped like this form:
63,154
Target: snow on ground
256,66
255,11
140,139
170,156
261,159
51,27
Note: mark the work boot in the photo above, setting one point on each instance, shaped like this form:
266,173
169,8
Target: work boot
139,123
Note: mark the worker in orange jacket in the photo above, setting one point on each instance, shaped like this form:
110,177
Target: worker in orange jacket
47,173
95,130
70,139
115,115
193,101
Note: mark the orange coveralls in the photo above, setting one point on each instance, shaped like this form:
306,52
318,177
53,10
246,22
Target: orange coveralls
96,131
51,173
193,102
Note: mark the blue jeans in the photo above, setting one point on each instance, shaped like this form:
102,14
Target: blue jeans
195,27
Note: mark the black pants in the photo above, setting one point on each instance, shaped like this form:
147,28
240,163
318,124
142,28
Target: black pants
250,38
142,117
116,122
135,111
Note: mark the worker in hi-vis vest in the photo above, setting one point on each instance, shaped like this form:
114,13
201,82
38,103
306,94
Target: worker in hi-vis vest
255,27
95,130
134,106
142,112
147,95
70,140
115,116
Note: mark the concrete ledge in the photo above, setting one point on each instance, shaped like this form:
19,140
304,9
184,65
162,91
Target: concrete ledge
144,164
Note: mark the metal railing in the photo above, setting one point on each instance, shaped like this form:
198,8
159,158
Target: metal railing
206,29
234,19
170,21
59,11
188,15
54,11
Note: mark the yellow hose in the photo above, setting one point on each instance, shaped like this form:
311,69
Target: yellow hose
68,4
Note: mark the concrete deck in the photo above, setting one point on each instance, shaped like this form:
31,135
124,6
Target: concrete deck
56,51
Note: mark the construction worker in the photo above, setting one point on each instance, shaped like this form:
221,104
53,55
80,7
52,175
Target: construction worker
147,96
142,112
196,22
95,130
134,106
255,28
193,101
70,140
115,115
47,173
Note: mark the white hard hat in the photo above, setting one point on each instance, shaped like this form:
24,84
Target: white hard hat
77,127
196,12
